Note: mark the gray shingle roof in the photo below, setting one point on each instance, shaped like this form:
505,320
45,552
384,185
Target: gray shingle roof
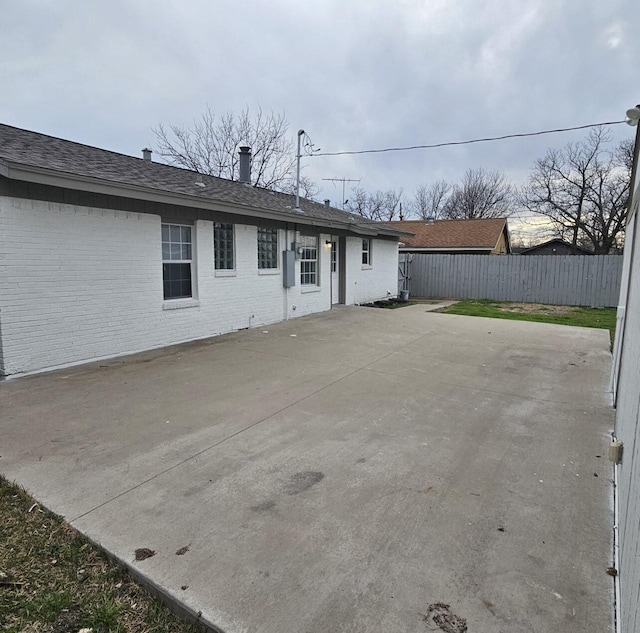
32,149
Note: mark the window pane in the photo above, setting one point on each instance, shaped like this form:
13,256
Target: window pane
366,252
176,246
309,260
267,248
176,280
223,246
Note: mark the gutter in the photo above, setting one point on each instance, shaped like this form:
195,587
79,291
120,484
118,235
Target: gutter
55,178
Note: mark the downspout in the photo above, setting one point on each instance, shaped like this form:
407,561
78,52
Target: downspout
616,548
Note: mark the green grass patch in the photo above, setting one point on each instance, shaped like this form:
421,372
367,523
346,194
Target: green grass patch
604,318
54,580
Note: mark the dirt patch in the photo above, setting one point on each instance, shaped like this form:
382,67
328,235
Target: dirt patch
142,553
67,620
535,308
439,616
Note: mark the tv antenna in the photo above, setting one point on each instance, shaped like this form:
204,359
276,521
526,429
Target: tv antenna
343,181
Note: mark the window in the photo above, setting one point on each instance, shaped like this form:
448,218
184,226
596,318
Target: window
309,260
366,252
223,246
176,261
267,248
334,257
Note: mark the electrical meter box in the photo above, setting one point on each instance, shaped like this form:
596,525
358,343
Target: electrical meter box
289,268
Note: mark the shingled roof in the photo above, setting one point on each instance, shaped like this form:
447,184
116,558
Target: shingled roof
25,154
482,234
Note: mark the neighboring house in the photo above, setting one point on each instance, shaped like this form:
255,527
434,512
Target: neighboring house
470,237
103,254
555,247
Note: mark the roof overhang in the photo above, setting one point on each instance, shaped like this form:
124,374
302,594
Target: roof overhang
66,180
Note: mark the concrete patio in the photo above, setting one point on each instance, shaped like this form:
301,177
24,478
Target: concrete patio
341,472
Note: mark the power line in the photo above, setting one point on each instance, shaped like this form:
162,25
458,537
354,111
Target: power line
469,142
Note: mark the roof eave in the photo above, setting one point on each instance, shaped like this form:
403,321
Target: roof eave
67,180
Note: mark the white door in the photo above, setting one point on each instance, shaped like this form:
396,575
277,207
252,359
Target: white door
335,275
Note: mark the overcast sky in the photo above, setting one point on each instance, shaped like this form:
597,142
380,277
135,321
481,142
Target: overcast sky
355,74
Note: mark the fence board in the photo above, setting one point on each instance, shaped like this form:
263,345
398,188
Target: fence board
587,280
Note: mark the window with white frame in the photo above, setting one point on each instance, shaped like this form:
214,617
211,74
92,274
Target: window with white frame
267,248
334,257
176,261
366,252
309,260
223,246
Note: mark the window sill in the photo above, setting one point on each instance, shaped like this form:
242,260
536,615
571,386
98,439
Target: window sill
225,273
178,304
268,271
306,289
367,267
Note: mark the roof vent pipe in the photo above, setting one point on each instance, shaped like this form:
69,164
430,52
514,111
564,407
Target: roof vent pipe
245,165
146,154
327,203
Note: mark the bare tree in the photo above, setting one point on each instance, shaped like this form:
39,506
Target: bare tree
583,189
308,188
210,146
429,201
482,194
379,205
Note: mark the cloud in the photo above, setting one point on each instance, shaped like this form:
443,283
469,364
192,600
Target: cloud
354,75
613,35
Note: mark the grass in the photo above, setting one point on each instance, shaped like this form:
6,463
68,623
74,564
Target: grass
604,318
53,580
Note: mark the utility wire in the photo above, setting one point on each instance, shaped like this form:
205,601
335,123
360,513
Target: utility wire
469,142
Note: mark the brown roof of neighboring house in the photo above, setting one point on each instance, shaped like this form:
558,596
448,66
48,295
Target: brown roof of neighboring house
451,234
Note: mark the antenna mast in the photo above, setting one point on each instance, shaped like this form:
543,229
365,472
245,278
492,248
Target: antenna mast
343,181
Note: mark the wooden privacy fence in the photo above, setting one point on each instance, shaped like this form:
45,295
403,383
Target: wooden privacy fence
577,280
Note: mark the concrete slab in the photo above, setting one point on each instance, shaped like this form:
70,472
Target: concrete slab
430,305
345,478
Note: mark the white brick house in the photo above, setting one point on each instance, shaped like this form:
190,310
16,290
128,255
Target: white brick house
103,254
